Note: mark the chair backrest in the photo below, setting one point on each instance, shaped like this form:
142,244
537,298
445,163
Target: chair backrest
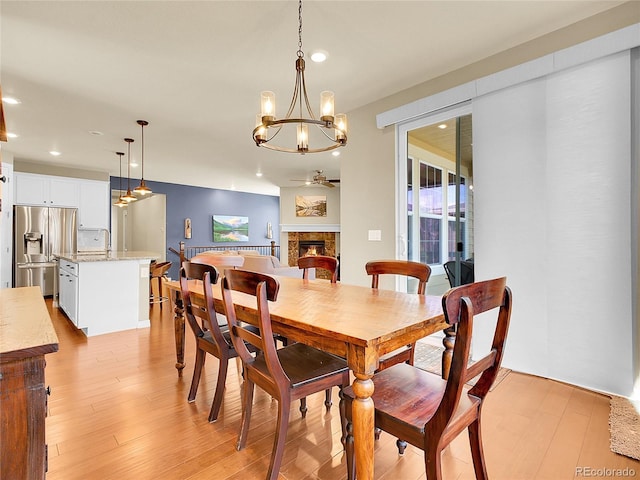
418,270
264,288
466,272
209,275
159,269
319,261
460,305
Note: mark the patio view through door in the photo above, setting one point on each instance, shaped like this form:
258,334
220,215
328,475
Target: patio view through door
435,185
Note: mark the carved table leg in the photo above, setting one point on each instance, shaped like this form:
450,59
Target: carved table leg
363,423
179,332
448,341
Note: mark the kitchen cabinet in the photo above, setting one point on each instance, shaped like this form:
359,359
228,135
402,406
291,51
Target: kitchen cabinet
45,190
68,289
94,204
107,292
26,336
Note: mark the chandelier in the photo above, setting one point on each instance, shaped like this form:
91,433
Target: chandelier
333,128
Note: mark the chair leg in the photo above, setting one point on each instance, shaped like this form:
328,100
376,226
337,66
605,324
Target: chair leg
303,407
327,399
197,373
284,405
247,405
432,460
160,291
477,453
351,463
220,385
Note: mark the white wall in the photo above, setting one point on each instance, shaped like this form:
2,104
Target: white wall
146,224
6,223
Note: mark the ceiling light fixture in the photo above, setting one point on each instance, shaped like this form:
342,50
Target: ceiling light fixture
11,100
121,201
333,128
129,197
142,189
55,153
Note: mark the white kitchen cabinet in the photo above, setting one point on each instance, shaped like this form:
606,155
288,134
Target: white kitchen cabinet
94,204
45,190
68,289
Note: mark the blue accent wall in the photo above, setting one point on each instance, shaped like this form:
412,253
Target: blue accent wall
200,204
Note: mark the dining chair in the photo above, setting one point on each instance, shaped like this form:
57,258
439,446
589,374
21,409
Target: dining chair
428,411
287,374
156,272
329,264
211,337
417,270
319,261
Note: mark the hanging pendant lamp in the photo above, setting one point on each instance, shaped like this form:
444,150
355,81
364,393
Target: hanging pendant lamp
121,202
129,197
142,189
334,129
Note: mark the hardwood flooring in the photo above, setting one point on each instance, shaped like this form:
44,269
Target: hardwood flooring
118,410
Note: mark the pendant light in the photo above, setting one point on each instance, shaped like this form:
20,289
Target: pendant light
129,197
121,202
333,128
142,189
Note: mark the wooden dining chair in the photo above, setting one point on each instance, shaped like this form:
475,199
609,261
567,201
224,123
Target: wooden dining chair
319,261
329,264
211,337
427,411
420,271
287,374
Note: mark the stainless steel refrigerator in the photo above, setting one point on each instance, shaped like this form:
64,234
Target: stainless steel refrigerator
39,234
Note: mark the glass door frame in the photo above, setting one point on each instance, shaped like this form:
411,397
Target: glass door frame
402,134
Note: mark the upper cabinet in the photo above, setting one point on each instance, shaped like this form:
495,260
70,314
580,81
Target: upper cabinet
94,204
44,190
90,197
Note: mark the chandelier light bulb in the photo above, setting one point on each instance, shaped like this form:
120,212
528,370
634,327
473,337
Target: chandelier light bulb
326,106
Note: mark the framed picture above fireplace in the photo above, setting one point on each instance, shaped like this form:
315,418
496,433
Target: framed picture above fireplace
311,206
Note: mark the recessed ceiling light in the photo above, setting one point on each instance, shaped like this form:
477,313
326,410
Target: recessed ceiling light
442,126
258,174
335,153
96,133
11,100
12,135
319,56
55,153
134,164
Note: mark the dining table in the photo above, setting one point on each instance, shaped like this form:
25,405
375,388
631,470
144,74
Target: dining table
355,322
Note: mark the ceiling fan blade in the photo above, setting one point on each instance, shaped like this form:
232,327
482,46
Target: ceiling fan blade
327,184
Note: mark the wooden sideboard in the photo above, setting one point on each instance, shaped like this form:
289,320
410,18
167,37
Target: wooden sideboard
26,336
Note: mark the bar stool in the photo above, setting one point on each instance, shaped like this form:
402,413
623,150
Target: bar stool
157,271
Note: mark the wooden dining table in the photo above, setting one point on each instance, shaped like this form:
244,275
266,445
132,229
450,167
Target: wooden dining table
358,323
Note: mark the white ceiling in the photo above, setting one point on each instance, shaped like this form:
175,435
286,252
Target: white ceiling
195,70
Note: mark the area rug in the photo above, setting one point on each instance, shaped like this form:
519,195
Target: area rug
624,425
429,357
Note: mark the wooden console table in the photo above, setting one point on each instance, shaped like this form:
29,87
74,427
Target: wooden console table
26,336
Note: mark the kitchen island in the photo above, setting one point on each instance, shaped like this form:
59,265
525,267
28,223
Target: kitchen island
105,292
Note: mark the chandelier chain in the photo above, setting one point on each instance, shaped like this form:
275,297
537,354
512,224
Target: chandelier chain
300,52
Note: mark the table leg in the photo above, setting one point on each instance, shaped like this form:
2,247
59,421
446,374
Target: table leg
448,341
363,425
178,321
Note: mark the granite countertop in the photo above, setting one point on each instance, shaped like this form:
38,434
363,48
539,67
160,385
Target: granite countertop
108,257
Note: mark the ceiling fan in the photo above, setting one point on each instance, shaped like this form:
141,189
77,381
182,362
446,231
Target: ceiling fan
320,179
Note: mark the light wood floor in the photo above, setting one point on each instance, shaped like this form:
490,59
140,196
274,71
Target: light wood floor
118,410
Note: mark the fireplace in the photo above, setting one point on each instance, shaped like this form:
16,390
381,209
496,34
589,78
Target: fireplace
310,247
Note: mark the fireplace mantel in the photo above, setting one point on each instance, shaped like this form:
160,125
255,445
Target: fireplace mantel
306,227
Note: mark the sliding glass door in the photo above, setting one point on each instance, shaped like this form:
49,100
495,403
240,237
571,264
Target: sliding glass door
435,172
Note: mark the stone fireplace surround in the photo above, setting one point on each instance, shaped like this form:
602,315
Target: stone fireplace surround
294,238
